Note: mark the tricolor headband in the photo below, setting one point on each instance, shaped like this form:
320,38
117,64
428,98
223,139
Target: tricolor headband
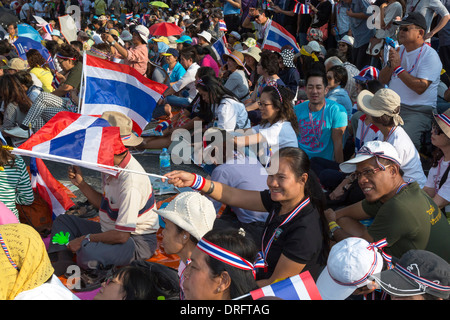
444,118
225,256
58,55
379,154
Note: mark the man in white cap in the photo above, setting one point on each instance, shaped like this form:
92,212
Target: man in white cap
402,212
128,221
137,55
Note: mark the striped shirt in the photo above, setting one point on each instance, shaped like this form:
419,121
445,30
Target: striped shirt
15,186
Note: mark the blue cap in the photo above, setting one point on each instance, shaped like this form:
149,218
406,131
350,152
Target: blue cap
183,39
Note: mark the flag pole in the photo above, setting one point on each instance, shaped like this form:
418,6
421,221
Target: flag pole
82,163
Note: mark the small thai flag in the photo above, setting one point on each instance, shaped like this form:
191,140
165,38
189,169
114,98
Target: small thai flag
301,8
48,28
128,16
55,82
222,26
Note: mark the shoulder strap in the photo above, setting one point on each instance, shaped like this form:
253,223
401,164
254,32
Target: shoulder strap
444,176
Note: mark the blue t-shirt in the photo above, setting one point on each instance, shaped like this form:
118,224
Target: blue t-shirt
340,95
230,9
360,32
177,72
315,138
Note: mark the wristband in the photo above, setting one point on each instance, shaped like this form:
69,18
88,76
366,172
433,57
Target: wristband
398,70
332,225
199,182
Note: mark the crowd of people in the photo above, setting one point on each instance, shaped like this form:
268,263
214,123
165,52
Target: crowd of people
334,156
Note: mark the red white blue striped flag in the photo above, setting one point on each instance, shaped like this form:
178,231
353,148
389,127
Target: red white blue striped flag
277,37
222,26
301,8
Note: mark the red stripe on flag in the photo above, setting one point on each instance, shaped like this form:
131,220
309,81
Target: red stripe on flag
310,286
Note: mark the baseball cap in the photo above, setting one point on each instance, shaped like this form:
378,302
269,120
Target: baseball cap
348,40
417,272
162,39
16,64
383,102
126,35
414,18
313,46
171,51
350,263
367,73
184,38
206,35
381,149
192,212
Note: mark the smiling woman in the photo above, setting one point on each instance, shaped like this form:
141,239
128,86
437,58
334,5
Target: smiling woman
295,238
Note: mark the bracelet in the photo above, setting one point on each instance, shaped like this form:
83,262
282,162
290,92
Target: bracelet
332,224
398,70
211,188
199,182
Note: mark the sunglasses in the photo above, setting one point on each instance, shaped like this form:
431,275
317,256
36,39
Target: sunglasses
257,16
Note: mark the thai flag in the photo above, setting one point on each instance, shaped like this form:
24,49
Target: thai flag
23,45
48,28
55,82
222,26
76,139
301,8
110,86
277,37
128,16
57,196
299,287
220,48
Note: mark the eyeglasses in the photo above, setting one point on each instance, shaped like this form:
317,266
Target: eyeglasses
406,29
367,173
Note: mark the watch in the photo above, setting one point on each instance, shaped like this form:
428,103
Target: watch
333,230
88,237
113,43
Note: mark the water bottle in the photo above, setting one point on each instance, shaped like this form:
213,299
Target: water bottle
164,167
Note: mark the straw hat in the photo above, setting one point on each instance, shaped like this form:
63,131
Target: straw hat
253,52
237,56
118,119
443,121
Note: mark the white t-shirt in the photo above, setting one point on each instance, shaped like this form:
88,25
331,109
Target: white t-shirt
434,178
51,290
366,132
279,135
38,7
409,157
427,66
23,12
230,115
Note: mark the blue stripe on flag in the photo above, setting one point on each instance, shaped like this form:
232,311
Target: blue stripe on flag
70,145
285,290
111,92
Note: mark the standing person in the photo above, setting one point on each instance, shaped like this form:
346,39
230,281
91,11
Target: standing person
304,23
294,201
402,213
429,9
137,55
187,219
322,122
232,14
418,275
413,72
128,222
360,31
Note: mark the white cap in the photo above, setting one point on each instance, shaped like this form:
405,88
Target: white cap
192,212
143,32
315,46
206,35
348,40
381,149
350,262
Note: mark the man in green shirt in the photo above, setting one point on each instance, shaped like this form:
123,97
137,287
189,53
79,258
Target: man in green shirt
402,212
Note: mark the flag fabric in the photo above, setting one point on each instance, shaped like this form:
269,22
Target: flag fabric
220,48
301,8
277,37
48,28
110,86
55,82
57,196
128,16
75,139
23,45
299,287
222,26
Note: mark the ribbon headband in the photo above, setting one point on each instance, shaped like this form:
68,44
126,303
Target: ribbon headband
273,84
225,256
444,118
64,57
419,280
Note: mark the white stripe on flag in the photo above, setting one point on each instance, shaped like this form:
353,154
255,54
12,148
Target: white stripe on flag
80,124
300,288
57,208
92,144
268,292
108,74
97,109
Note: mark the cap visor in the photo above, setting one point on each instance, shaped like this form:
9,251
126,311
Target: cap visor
396,284
330,290
350,165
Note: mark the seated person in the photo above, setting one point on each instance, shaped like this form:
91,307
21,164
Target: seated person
403,213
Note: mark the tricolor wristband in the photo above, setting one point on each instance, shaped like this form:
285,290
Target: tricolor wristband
199,182
398,70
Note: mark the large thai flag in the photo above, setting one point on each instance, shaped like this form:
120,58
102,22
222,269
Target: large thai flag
277,37
24,44
110,86
57,196
299,287
220,48
76,139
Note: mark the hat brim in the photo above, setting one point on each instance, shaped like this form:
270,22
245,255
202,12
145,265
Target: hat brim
133,141
330,290
445,127
396,284
364,102
349,166
226,56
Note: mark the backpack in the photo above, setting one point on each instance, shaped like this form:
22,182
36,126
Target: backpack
37,215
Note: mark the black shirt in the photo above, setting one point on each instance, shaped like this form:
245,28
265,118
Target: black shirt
300,240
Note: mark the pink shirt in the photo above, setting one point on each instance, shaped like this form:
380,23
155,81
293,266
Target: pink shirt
138,58
209,61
